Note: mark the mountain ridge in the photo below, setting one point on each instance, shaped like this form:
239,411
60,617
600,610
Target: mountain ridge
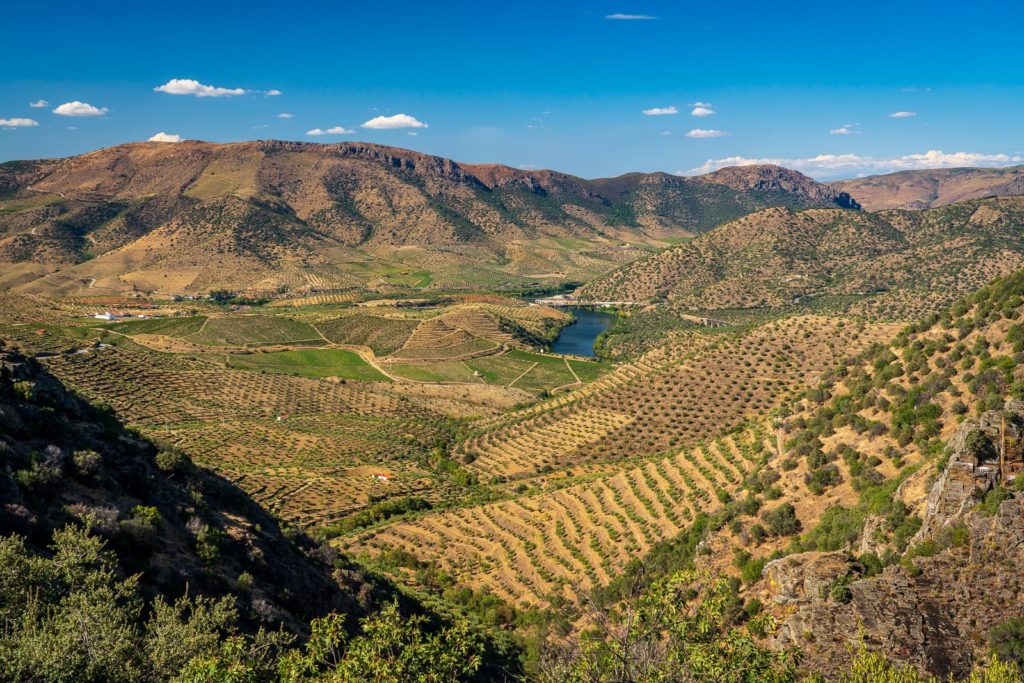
64,223
932,188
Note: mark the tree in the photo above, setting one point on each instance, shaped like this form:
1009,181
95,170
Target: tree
663,634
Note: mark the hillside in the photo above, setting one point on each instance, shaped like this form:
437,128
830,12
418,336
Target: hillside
932,188
185,529
902,264
903,471
274,216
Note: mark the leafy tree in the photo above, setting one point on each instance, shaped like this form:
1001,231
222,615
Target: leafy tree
663,634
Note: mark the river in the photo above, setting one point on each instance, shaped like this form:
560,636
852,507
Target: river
578,339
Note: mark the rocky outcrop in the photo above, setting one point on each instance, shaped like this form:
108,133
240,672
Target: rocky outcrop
934,611
805,577
983,453
935,617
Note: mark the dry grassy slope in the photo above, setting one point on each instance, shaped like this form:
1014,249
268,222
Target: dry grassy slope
590,505
932,188
776,255
381,199
894,405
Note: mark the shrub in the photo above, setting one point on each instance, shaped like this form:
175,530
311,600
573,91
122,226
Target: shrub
1007,640
173,461
88,463
782,520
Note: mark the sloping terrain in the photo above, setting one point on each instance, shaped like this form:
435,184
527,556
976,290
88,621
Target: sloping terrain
932,188
906,261
275,216
185,529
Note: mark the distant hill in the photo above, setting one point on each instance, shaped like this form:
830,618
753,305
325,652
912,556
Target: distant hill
777,256
931,188
188,217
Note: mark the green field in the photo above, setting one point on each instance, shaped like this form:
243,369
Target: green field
310,363
171,327
238,330
443,371
588,371
501,369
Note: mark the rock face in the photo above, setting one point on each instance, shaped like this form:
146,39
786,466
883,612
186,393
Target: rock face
936,615
807,576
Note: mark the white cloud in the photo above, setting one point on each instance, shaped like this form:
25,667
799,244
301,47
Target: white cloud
284,115
261,126
39,104
846,165
619,16
661,111
17,123
846,129
273,92
77,108
336,130
165,137
412,133
665,133
396,121
187,86
902,114
702,111
706,133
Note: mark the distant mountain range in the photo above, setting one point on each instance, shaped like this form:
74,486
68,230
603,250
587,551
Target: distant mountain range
188,217
928,189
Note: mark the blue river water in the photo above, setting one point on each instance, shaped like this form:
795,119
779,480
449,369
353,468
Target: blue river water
578,339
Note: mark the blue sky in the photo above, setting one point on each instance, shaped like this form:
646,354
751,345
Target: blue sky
560,85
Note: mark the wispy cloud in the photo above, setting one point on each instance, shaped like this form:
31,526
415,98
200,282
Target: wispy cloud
392,122
706,133
273,92
39,104
845,129
661,111
18,123
619,16
77,108
665,133
284,115
902,114
188,86
336,130
165,137
846,165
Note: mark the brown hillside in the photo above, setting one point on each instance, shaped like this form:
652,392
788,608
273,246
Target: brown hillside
927,189
182,218
906,262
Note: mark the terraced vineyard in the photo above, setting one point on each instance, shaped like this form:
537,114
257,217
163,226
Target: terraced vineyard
309,449
664,401
580,536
